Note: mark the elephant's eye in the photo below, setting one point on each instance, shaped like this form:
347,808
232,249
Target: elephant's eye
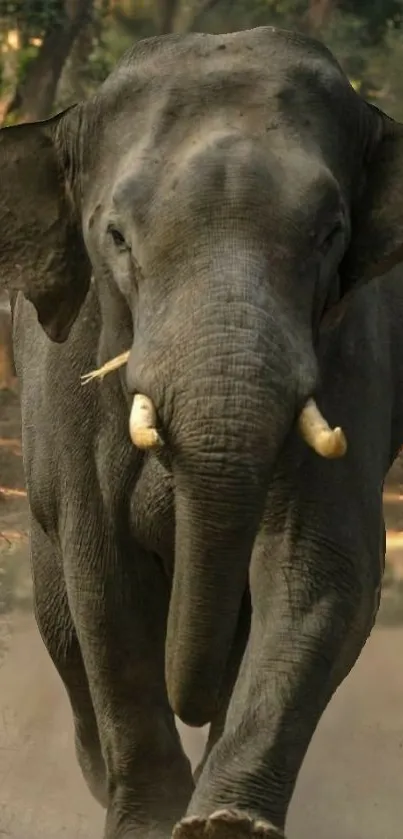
327,239
118,238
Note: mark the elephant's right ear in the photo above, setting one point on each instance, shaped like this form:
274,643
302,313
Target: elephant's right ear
42,251
377,219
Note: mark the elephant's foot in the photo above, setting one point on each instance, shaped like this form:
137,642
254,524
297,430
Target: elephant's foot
225,824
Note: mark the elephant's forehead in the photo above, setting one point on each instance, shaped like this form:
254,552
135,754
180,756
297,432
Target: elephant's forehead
224,165
262,59
168,102
260,79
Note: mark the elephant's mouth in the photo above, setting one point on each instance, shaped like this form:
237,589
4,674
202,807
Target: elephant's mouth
327,442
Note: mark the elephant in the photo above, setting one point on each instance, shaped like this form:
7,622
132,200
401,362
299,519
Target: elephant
206,529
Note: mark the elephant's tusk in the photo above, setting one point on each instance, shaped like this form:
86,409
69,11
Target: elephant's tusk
142,424
327,442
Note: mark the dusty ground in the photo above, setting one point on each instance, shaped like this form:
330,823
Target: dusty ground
351,784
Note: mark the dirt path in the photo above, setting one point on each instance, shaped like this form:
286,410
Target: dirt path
42,795
351,786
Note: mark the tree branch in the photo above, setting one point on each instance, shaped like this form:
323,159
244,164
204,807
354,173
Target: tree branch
165,15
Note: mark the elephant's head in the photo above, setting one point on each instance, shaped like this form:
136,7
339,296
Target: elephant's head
227,191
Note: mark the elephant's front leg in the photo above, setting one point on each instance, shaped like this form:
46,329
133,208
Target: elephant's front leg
119,604
312,611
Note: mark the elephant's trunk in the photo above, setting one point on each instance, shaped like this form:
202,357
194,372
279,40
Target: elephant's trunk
240,368
217,517
234,406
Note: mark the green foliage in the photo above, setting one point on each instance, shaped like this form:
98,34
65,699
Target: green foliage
25,57
33,16
377,15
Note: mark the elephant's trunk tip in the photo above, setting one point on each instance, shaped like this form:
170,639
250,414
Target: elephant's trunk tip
143,423
328,442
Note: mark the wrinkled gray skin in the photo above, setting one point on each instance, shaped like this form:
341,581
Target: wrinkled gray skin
229,194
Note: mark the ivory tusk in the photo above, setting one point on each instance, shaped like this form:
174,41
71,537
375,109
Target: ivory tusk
327,442
143,422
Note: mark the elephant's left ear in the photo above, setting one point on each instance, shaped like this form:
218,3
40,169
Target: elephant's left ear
377,217
42,251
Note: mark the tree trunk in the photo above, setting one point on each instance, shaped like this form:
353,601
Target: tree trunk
318,15
71,86
7,369
34,98
165,14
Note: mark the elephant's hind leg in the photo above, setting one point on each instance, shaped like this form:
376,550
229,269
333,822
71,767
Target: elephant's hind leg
59,636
